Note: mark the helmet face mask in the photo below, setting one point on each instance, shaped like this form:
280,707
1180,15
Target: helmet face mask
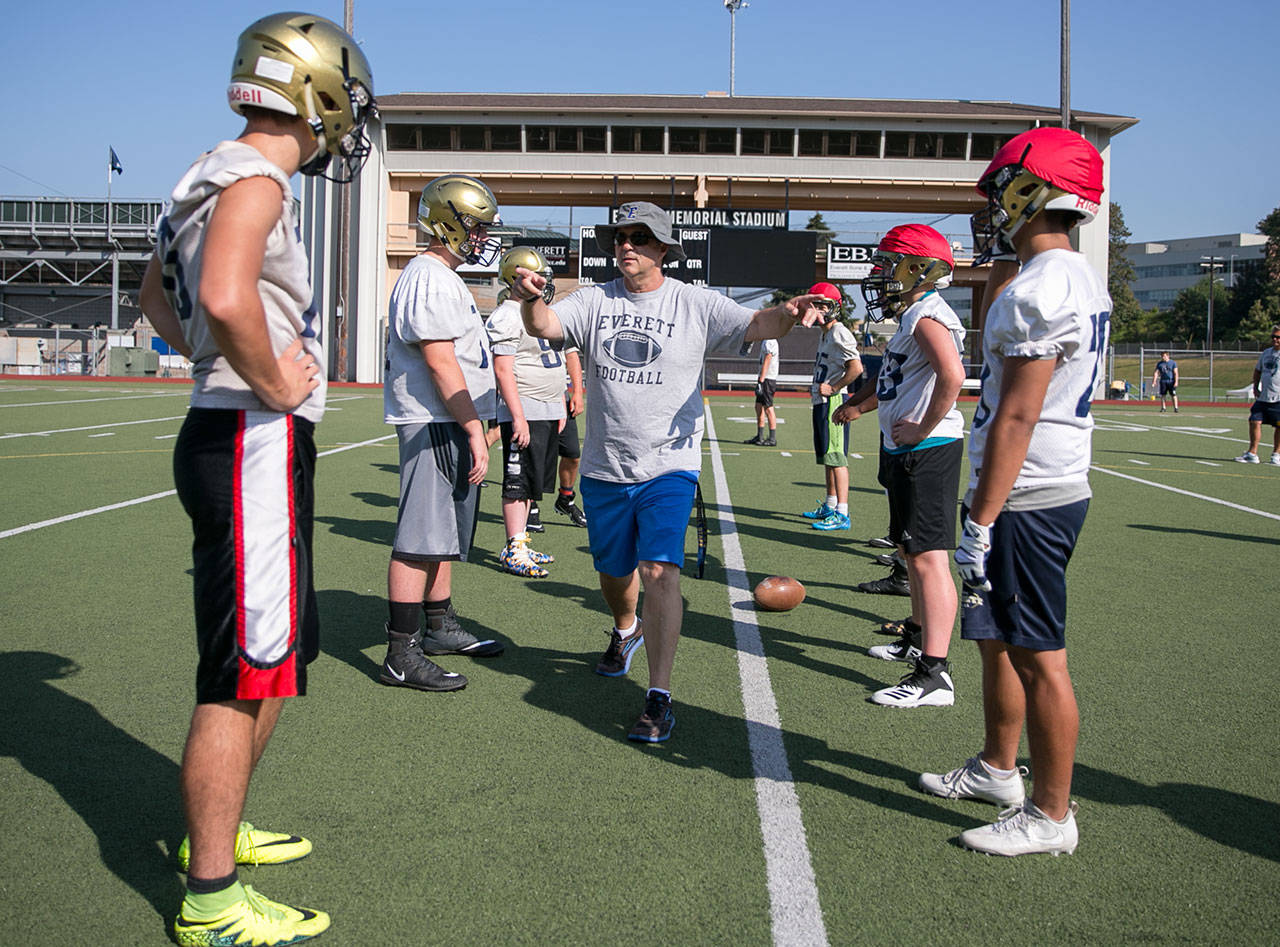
531,260
894,276
457,210
1014,196
833,309
307,66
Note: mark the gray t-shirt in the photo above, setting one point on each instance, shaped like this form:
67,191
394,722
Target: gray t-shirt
643,372
1269,375
431,303
283,285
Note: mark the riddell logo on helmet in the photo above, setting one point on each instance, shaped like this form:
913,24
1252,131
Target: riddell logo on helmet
239,93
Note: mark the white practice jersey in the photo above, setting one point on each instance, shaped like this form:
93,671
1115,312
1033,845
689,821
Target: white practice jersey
770,347
1056,307
284,284
430,303
905,385
836,347
539,368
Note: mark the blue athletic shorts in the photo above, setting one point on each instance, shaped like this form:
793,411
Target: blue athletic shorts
1027,568
630,522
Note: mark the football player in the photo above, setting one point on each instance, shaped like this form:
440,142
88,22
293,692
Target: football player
644,338
921,446
228,287
1165,379
835,366
766,387
1043,345
531,412
438,393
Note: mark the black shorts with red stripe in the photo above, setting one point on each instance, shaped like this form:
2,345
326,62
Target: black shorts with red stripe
246,479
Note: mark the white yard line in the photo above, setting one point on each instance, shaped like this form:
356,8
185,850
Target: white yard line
793,892
1187,493
17,530
91,427
42,404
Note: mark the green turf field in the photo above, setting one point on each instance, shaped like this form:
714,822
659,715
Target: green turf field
515,811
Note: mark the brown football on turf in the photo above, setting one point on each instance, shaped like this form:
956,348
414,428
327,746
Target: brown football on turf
778,593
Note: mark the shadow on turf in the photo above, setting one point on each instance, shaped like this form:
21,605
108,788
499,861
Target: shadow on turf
1207,533
1245,823
126,792
563,683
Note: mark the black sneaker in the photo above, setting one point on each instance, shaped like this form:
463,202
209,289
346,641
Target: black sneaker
769,442
565,505
655,724
754,441
534,525
886,559
896,629
883,542
449,637
406,666
891,584
921,688
616,660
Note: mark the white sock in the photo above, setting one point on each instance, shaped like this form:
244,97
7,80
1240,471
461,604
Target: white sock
1002,773
842,508
628,632
831,500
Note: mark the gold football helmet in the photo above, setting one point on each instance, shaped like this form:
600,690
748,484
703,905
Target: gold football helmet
530,259
457,210
305,65
909,257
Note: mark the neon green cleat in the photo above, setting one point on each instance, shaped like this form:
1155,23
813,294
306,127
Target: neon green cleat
256,847
253,921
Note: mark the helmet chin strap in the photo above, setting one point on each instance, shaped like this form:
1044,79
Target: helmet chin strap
318,163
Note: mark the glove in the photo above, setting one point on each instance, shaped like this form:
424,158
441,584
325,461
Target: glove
759,389
971,556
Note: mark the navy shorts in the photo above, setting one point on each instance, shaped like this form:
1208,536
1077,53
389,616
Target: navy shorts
1168,388
630,522
1027,568
1268,412
246,479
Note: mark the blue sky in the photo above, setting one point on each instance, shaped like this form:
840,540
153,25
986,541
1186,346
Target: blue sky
148,78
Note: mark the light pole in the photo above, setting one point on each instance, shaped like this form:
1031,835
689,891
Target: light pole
733,6
1215,262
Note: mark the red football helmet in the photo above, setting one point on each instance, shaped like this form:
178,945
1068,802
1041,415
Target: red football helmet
1042,169
909,256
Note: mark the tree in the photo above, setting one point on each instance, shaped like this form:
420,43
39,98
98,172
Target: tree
1126,313
825,233
1187,321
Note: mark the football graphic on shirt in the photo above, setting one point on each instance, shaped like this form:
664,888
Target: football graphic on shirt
632,349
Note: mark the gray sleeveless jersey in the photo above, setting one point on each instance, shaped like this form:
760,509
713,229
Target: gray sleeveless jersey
539,367
284,286
643,373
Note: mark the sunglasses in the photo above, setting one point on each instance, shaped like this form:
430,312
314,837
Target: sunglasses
637,238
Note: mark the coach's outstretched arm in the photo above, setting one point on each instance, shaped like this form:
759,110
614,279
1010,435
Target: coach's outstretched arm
539,319
777,321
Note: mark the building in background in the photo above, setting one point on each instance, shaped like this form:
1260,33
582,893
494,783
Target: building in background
1165,268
